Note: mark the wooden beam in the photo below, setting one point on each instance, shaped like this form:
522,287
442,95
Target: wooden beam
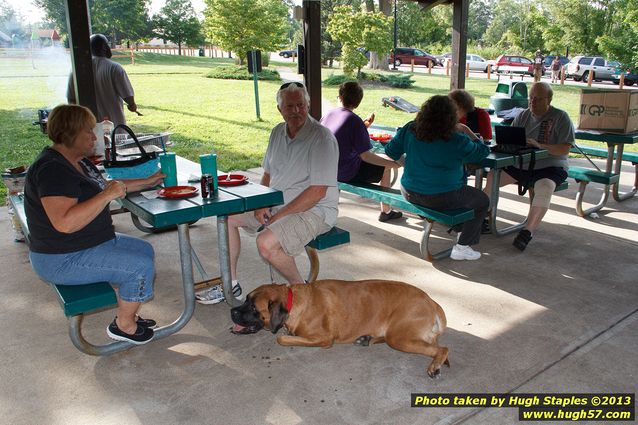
78,22
312,43
429,4
459,43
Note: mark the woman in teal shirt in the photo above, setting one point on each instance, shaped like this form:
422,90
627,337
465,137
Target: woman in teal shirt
434,175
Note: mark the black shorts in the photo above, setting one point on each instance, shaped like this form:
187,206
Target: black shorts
556,174
368,173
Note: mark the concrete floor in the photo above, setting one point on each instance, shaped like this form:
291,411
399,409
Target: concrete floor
560,317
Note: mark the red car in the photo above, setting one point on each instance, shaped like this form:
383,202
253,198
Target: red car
514,64
405,55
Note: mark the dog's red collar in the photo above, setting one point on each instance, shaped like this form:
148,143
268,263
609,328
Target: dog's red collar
289,302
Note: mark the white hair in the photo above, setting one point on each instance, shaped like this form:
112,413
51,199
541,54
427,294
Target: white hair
546,87
291,88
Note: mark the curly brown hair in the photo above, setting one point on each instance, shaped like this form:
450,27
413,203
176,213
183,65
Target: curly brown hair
436,120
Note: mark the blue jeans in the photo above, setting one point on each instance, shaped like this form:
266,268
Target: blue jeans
124,261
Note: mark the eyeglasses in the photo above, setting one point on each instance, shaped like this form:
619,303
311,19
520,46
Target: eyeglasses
286,85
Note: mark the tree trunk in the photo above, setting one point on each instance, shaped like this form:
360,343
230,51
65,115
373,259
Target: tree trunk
369,5
380,61
179,48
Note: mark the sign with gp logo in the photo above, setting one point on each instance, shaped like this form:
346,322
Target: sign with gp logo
613,111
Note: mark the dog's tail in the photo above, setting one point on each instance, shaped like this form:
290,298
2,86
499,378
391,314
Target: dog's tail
439,325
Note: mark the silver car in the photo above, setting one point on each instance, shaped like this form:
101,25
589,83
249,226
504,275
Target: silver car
578,68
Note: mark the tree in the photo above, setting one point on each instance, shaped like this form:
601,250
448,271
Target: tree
359,30
416,27
330,48
118,19
177,22
623,44
244,25
480,16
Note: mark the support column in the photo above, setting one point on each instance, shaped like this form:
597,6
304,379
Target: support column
312,57
459,43
78,22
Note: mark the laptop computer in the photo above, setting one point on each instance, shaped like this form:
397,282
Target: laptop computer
510,139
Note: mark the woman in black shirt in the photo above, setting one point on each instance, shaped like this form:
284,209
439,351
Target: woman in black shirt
72,235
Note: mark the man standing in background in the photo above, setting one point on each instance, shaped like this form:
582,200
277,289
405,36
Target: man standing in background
112,85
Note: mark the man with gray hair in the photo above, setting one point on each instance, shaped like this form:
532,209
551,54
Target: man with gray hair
111,84
301,161
547,128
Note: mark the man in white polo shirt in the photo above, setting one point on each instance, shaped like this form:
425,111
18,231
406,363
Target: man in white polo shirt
301,161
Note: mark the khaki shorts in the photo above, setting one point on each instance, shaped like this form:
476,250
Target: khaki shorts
293,231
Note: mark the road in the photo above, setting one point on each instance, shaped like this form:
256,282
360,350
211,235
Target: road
437,70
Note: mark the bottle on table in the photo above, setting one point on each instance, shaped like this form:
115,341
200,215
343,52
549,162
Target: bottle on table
107,129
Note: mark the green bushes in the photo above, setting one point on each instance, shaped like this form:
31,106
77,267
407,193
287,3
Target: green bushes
236,72
401,81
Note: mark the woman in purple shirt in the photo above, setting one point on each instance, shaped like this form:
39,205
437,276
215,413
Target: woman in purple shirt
357,162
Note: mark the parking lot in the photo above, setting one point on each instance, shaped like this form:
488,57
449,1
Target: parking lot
437,70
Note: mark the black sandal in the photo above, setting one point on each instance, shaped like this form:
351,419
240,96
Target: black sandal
522,239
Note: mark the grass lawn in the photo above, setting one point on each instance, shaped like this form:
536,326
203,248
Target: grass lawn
203,114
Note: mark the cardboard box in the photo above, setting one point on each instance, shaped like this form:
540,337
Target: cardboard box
612,111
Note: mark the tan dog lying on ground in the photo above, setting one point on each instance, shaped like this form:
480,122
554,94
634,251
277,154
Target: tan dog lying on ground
336,311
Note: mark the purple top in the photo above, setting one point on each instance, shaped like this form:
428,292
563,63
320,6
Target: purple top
353,138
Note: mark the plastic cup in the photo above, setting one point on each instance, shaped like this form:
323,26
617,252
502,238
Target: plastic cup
169,167
208,164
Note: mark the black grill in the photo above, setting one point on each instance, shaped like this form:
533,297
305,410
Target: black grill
43,117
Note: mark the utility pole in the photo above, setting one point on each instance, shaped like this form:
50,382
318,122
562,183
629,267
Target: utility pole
394,61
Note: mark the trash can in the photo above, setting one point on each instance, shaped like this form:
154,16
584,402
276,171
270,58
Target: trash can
509,94
201,52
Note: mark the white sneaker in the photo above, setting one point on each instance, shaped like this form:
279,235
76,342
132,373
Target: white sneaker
215,294
464,252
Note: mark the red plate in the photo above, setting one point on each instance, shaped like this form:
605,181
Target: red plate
381,137
235,179
177,192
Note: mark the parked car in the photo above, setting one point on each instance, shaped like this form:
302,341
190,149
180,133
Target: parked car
630,78
547,62
475,62
288,53
579,66
405,55
514,64
441,58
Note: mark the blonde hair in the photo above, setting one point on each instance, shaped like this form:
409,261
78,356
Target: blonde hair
67,121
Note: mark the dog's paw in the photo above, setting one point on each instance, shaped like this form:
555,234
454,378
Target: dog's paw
363,340
434,374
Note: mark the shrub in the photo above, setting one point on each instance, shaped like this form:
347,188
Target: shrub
370,76
402,81
236,72
337,80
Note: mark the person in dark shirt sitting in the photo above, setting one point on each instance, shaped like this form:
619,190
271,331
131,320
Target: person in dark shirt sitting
477,119
73,240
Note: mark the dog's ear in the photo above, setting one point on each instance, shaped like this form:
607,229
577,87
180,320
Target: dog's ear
278,315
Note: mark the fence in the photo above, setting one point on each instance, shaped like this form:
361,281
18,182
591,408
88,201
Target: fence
209,51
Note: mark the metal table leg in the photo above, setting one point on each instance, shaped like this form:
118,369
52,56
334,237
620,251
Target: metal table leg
224,260
494,194
617,167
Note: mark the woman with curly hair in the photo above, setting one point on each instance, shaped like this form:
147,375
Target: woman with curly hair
434,175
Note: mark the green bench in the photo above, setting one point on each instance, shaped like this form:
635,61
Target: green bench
75,300
604,153
333,237
394,198
583,177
